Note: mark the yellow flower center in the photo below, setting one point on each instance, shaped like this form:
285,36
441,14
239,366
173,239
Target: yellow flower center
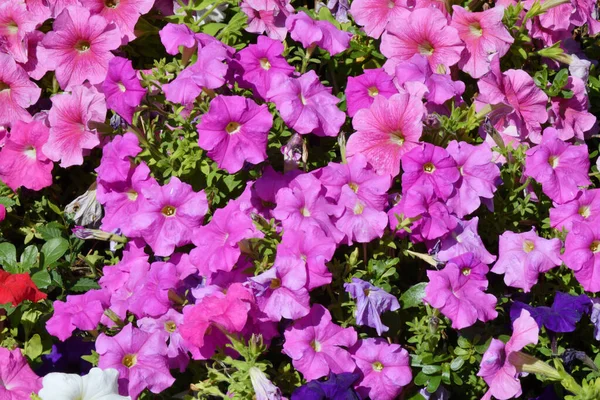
129,360
12,28
232,128
373,91
585,211
132,195
466,271
595,246
4,86
265,64
275,284
426,49
528,246
353,186
397,137
30,152
304,211
316,346
168,211
170,326
82,45
475,29
553,161
358,208
377,366
111,3
429,168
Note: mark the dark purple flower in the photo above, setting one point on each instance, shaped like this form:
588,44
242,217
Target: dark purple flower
336,387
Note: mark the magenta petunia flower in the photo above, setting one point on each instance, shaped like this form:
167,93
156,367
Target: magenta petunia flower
479,176
458,291
560,167
582,254
151,297
267,16
362,90
116,163
374,15
260,62
585,207
18,380
22,161
360,222
498,367
306,105
386,131
122,88
523,256
15,24
432,166
570,117
312,33
124,13
280,291
310,250
17,92
174,35
70,131
423,31
207,72
82,311
218,242
464,239
79,47
168,327
303,205
371,302
384,367
314,344
483,34
140,358
168,215
235,130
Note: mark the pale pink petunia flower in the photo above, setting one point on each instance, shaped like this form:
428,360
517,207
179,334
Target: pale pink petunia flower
360,222
362,90
386,131
267,16
15,24
79,47
70,131
124,13
374,15
423,31
18,380
22,161
583,208
17,92
523,256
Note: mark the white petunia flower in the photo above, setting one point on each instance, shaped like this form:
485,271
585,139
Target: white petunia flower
97,385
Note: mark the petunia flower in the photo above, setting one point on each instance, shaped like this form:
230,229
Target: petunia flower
168,215
570,117
305,105
260,62
314,344
151,297
561,168
386,131
585,207
375,15
96,385
267,16
168,326
458,292
582,254
124,13
174,35
499,367
384,367
362,90
115,165
22,161
33,66
423,31
17,92
16,288
70,131
218,243
235,130
360,222
139,357
122,88
336,386
79,47
523,256
15,24
464,239
320,33
483,34
18,380
371,302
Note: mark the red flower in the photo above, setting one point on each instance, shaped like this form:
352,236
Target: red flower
16,288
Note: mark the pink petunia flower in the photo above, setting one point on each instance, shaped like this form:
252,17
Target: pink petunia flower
312,33
374,15
384,367
15,24
523,256
168,215
40,9
432,166
174,35
314,344
57,6
79,311
570,117
124,13
498,367
17,92
18,380
34,67
235,130
464,239
483,34
479,176
423,31
386,131
70,131
151,297
362,90
115,165
79,47
582,254
219,242
122,88
585,207
561,168
140,358
22,161
306,105
267,16
458,291
360,222
168,327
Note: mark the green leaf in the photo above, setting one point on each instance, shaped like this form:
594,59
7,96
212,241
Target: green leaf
34,348
421,379
41,279
456,364
29,258
92,358
85,284
8,253
54,249
431,369
434,383
413,297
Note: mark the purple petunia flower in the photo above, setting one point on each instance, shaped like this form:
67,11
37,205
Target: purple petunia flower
122,88
312,33
362,90
371,302
336,386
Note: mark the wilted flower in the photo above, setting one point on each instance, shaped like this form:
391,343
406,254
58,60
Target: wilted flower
86,209
263,387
